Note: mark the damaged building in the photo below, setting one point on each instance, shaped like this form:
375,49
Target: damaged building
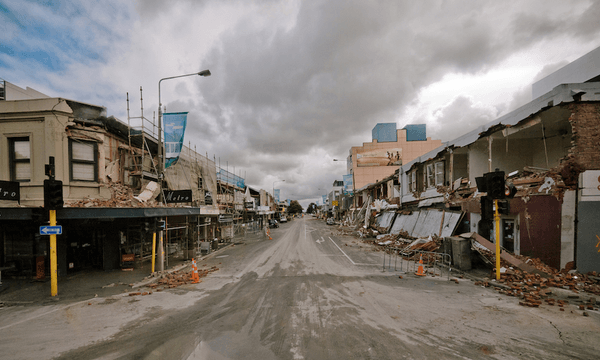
550,151
112,201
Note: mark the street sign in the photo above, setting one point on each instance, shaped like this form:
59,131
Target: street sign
51,230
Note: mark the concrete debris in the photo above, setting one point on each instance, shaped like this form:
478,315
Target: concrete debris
150,192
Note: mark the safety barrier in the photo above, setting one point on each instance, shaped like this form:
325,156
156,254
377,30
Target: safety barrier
432,261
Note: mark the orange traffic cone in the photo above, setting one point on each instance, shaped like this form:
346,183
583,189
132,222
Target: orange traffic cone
195,276
269,234
420,268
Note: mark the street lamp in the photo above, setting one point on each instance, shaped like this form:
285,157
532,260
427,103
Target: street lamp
161,160
161,165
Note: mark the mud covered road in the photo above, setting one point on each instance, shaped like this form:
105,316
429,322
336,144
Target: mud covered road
306,294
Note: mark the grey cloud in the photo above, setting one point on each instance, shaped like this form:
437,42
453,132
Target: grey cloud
458,118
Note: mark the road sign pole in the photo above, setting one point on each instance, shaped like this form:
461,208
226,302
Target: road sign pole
153,250
53,264
497,220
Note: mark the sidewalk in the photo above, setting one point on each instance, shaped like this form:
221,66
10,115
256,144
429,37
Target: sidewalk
85,284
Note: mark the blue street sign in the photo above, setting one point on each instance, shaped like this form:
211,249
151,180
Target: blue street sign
51,230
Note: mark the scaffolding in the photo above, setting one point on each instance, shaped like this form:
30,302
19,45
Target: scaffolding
140,134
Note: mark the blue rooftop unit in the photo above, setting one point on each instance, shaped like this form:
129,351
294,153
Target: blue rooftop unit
416,132
385,132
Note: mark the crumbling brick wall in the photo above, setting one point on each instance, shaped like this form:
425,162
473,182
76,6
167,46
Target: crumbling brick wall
585,122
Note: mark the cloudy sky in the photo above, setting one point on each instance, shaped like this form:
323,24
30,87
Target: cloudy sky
295,84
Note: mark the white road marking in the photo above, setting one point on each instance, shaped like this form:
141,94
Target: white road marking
348,257
321,240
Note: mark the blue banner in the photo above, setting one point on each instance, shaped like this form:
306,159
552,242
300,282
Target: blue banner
324,199
348,186
174,128
276,196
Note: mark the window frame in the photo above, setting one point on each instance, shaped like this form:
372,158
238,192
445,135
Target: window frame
412,181
430,176
13,161
85,162
436,173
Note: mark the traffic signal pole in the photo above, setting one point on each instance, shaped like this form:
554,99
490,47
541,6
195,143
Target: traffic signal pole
497,221
53,262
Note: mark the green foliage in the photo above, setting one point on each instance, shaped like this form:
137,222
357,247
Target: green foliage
295,207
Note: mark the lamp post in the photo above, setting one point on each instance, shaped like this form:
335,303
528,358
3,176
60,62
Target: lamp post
161,160
161,164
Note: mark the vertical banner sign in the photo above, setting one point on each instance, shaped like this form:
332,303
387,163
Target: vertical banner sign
174,131
348,186
276,195
324,199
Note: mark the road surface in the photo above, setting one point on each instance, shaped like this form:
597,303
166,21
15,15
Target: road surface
310,293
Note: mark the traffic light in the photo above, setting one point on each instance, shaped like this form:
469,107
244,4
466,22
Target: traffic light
504,207
487,208
495,184
53,194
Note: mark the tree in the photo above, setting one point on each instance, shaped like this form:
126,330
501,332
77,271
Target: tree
295,207
312,208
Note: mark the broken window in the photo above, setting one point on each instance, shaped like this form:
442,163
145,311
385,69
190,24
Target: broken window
439,173
430,176
200,187
20,159
83,158
412,181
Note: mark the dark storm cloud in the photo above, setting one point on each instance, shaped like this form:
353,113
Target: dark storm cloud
343,66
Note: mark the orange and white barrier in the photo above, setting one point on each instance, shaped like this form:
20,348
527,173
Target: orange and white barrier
420,271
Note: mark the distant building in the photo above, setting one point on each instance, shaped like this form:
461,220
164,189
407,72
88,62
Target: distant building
388,150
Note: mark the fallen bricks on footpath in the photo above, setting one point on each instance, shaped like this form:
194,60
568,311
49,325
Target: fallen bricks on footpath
175,279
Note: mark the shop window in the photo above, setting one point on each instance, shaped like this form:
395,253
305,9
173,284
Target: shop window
83,157
20,159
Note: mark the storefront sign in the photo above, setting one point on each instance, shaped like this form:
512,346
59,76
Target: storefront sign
178,196
9,190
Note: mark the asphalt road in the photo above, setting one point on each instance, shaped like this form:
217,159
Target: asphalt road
310,293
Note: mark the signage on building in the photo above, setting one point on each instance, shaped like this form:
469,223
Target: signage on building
225,218
209,210
9,190
178,196
334,203
348,184
379,157
249,205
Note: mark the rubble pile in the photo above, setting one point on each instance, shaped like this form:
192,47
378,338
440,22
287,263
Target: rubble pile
121,196
533,288
429,246
178,278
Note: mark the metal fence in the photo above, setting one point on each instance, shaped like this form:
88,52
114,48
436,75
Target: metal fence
434,263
